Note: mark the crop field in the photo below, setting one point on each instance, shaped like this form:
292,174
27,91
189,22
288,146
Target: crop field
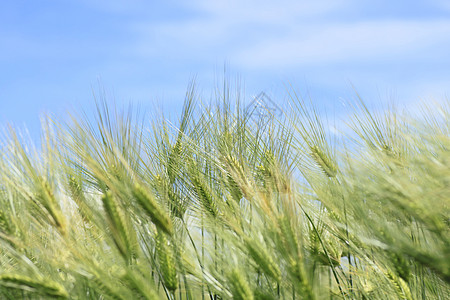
228,204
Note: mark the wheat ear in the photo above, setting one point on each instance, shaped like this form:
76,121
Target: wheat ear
51,205
323,161
239,286
262,258
166,262
120,231
148,203
44,287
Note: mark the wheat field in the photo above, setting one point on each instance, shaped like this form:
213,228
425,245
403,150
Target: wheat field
228,204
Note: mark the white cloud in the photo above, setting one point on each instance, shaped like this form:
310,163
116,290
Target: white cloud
267,11
288,34
229,26
343,42
309,39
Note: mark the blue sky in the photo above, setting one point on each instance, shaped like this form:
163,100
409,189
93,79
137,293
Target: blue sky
54,54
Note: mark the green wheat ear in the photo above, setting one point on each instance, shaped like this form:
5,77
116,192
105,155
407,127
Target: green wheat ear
77,195
45,287
9,228
236,179
49,202
400,286
261,294
106,288
152,209
262,258
139,285
203,192
324,162
239,286
301,282
120,229
166,261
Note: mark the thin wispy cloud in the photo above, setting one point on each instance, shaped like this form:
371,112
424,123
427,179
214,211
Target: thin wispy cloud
226,26
357,42
257,35
267,12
